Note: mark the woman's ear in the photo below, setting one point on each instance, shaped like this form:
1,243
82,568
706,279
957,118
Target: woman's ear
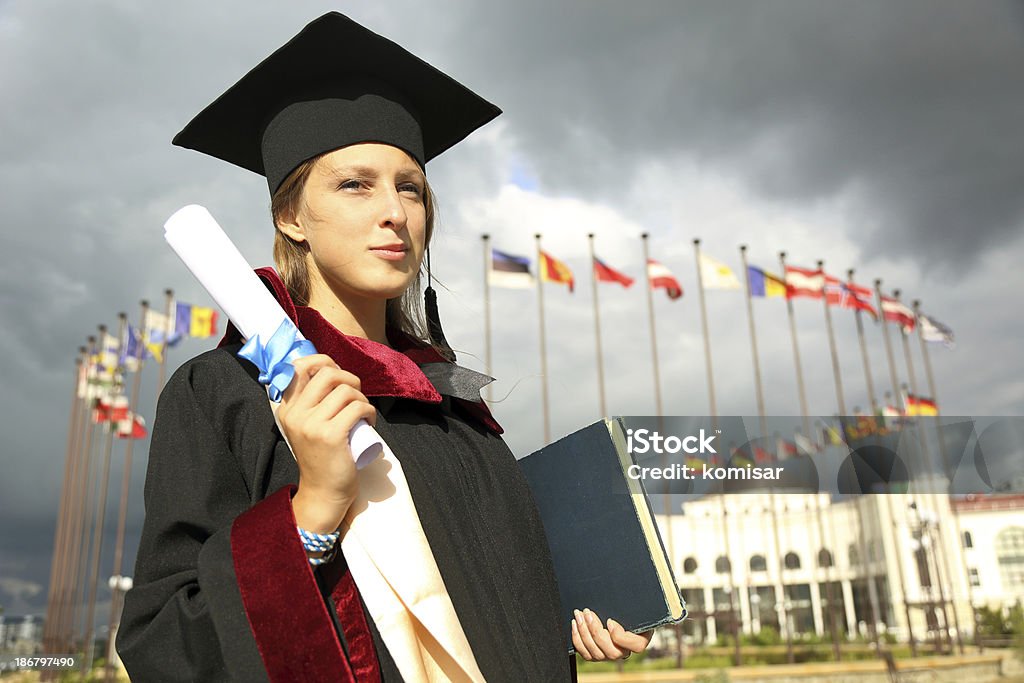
290,225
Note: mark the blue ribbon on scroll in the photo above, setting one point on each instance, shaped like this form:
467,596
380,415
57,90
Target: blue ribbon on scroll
274,359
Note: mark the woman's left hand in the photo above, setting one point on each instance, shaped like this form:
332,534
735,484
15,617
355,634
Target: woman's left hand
595,643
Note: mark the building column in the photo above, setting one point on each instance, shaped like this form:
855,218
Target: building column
709,606
744,600
851,614
819,621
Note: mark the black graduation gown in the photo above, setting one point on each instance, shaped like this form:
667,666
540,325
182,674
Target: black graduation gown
223,590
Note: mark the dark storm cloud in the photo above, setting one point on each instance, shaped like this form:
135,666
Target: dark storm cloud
912,108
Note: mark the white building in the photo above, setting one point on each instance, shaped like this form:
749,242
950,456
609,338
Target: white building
791,555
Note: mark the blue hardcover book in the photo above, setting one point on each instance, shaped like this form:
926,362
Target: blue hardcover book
607,551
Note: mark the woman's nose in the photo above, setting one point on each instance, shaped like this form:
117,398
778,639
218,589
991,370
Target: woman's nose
393,214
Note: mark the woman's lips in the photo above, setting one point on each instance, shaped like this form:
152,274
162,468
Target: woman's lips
392,252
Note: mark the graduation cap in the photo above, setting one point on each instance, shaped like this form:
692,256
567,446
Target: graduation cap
334,84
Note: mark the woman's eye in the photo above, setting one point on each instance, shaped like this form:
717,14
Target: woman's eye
411,188
350,185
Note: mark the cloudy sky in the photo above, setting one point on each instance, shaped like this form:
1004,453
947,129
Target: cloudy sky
878,136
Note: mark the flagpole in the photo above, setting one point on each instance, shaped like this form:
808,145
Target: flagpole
487,315
864,352
597,329
543,345
60,532
116,597
654,338
940,551
80,539
806,419
832,344
704,326
801,393
925,455
888,344
870,579
100,519
948,470
778,588
63,637
162,363
899,572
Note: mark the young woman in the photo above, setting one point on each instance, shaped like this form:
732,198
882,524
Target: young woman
240,572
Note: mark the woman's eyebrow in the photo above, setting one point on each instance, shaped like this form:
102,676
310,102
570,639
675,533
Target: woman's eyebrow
411,174
357,171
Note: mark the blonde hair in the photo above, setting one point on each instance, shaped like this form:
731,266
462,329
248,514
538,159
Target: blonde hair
403,313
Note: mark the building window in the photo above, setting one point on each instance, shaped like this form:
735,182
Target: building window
854,555
792,561
968,540
722,565
758,563
824,558
974,576
1010,555
689,565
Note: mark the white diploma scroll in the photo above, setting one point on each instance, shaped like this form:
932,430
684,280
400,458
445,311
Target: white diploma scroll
218,265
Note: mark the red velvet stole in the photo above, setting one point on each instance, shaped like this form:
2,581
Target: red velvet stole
290,623
293,630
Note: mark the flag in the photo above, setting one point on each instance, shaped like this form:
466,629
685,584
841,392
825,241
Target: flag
804,445
919,405
807,283
694,462
108,354
763,283
131,427
933,331
553,270
740,458
761,455
660,276
832,436
110,409
133,350
98,383
786,449
101,410
509,271
194,321
858,298
716,275
605,274
160,331
894,311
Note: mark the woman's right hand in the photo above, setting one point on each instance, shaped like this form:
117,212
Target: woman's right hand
317,411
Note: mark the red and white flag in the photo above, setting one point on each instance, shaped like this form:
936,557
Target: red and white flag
893,310
858,297
660,276
132,427
808,283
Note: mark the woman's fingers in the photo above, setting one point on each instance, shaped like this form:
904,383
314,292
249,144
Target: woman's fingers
594,642
601,637
339,397
634,642
305,368
597,644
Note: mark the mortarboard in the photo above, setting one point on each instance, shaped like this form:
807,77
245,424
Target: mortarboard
334,84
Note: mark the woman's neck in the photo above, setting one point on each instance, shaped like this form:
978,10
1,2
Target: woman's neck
362,318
